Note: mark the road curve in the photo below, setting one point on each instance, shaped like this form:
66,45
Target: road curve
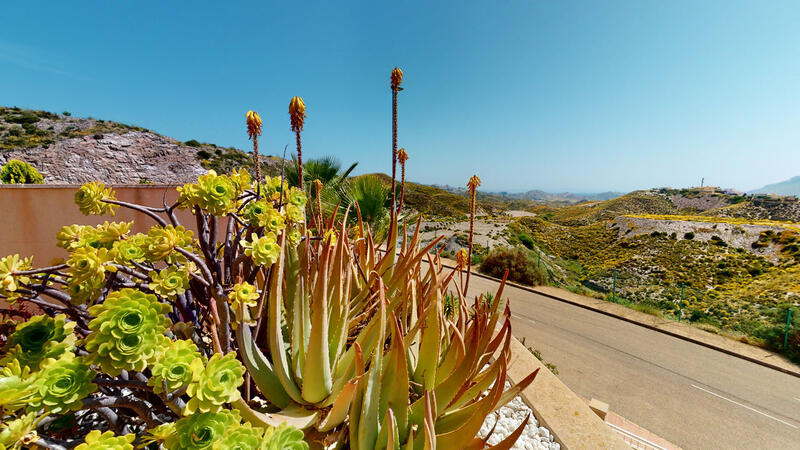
693,396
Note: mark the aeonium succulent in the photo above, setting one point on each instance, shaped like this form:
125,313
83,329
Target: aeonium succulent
131,249
89,263
107,440
242,296
19,431
216,384
18,386
283,437
271,219
262,250
63,384
9,280
163,240
90,199
215,194
39,338
127,331
173,368
201,431
241,437
169,282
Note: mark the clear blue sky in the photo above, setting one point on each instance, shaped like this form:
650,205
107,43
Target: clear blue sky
555,95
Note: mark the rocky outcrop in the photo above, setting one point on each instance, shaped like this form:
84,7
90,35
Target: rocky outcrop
129,158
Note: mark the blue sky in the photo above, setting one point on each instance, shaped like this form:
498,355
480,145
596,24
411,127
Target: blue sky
555,95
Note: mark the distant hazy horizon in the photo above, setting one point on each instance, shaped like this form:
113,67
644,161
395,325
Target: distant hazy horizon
558,96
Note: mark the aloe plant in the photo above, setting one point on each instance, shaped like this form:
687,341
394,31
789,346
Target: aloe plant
270,324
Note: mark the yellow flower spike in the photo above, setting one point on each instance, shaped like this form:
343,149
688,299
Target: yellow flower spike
473,183
402,156
297,113
461,258
396,78
253,124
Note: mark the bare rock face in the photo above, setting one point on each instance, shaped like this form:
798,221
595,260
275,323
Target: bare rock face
129,158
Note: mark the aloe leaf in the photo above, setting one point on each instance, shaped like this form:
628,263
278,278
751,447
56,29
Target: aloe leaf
260,369
368,424
274,332
317,381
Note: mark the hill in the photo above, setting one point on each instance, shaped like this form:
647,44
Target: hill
788,187
70,150
538,196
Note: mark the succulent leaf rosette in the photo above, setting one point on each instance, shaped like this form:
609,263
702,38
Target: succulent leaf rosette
90,199
39,338
174,367
295,213
253,211
242,297
111,232
127,331
89,263
201,431
97,440
63,384
296,197
18,386
162,242
242,437
272,220
131,249
263,250
170,282
83,292
215,194
283,437
9,281
218,383
71,237
19,431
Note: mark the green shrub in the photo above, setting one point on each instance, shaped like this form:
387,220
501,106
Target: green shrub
193,143
689,235
66,113
20,172
521,267
203,154
526,240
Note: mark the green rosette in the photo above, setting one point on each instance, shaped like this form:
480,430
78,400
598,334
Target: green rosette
201,431
63,384
39,338
127,331
174,367
90,196
215,385
97,440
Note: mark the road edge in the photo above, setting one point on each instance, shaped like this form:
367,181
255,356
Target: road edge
644,325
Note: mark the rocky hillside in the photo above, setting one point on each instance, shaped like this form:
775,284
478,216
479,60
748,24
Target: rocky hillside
70,150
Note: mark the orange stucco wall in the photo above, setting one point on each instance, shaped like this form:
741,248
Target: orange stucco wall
31,215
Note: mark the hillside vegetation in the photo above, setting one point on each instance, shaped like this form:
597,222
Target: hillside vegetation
739,274
70,149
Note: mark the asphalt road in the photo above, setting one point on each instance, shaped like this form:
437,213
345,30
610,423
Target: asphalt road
693,396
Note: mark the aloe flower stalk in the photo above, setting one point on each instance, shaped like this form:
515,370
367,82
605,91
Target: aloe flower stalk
402,157
254,131
395,79
472,186
297,116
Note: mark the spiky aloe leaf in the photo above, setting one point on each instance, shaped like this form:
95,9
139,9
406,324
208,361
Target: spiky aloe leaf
395,385
274,332
260,369
317,381
368,427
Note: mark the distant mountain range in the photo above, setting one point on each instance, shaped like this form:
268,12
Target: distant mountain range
539,195
788,187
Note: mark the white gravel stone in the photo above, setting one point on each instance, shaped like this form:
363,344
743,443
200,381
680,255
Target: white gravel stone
508,419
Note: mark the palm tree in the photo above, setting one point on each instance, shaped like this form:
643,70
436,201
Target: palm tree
370,193
326,169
